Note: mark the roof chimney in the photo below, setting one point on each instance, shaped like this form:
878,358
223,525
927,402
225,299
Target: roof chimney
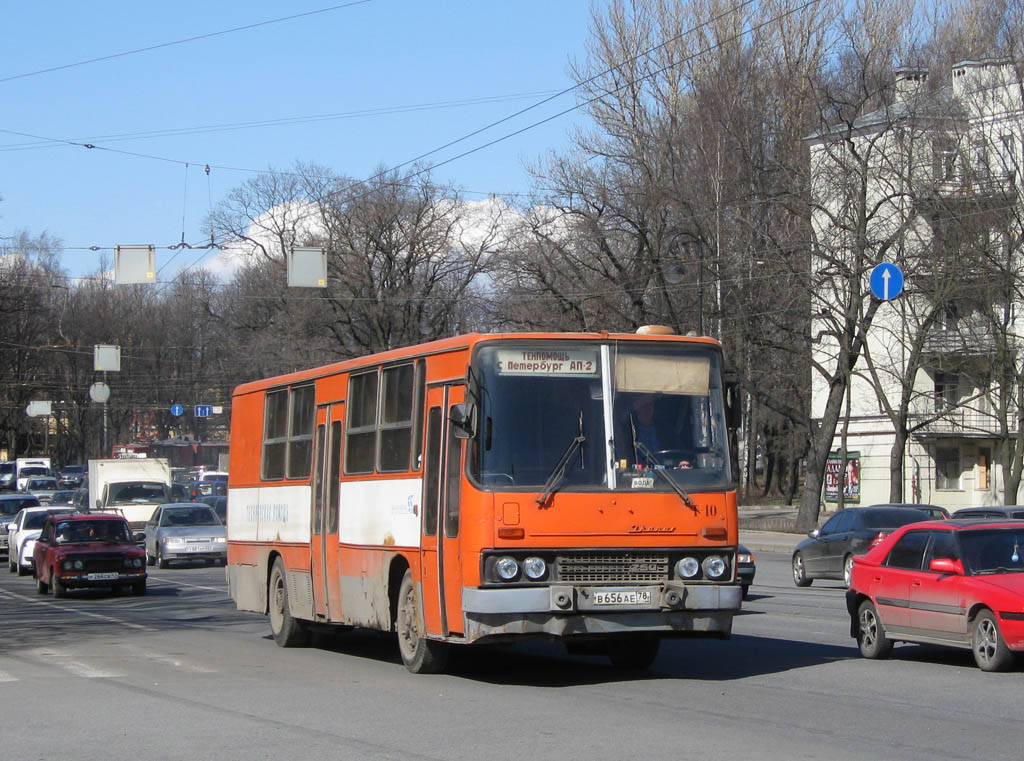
909,82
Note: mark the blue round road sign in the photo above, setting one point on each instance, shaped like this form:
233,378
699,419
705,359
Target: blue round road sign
886,281
177,410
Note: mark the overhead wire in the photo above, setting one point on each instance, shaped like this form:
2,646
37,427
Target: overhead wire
194,38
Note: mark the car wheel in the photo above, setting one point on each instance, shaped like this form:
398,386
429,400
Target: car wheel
160,559
287,631
987,644
58,586
746,591
871,637
799,571
41,586
419,654
12,566
847,570
633,652
22,570
139,588
150,559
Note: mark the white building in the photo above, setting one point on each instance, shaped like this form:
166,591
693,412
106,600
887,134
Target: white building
929,183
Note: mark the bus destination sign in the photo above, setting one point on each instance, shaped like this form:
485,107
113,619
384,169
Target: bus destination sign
558,362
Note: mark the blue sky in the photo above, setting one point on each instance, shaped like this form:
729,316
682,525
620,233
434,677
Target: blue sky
376,55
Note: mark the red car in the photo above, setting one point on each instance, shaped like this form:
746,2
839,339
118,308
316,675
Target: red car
88,550
958,583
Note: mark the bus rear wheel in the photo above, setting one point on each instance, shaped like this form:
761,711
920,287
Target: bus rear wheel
287,631
419,654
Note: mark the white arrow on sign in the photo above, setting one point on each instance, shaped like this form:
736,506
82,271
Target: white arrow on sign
885,276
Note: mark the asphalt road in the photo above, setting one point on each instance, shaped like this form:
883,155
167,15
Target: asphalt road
179,674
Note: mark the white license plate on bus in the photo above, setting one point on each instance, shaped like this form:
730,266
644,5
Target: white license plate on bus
620,597
101,576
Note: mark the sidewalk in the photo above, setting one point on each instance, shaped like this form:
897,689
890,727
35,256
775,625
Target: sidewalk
770,529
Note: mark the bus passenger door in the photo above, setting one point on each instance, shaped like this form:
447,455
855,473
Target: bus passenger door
316,515
441,574
332,509
324,547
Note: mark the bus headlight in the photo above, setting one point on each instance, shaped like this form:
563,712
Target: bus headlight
688,567
507,568
535,568
714,566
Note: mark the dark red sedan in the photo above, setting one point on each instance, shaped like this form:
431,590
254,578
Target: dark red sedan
88,550
958,583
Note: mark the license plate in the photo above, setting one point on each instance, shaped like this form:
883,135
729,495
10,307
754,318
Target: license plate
101,576
199,548
631,597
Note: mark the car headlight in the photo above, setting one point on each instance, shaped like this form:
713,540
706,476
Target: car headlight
714,566
507,568
745,558
66,565
688,567
219,539
535,568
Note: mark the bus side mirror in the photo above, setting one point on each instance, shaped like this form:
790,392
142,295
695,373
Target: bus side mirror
463,418
733,404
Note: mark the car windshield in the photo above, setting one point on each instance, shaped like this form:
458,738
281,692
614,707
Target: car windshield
35,520
12,506
73,532
64,497
42,484
893,517
138,492
33,471
189,516
993,551
546,408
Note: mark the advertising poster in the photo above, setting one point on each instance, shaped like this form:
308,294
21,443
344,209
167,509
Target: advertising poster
834,477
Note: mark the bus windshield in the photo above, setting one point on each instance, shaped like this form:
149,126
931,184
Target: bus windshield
621,411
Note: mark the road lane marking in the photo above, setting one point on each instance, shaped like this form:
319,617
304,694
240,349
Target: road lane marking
62,659
76,611
167,660
153,579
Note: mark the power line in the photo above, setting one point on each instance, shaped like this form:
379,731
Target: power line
181,42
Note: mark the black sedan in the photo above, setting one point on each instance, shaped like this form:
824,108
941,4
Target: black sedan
828,552
745,568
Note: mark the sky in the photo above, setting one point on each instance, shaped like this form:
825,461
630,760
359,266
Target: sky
352,87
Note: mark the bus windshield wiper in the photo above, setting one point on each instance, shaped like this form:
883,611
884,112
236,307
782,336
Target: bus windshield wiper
558,473
655,465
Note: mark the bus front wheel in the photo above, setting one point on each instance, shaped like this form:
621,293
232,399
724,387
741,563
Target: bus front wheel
287,631
419,654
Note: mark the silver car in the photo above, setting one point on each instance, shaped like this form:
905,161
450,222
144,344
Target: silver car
185,531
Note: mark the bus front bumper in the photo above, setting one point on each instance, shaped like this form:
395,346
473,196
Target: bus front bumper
569,611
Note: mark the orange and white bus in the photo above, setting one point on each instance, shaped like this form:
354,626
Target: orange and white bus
491,487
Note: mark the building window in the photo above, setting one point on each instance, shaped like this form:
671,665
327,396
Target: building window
984,460
947,468
947,391
1008,155
943,159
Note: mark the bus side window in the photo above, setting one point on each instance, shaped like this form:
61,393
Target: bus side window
431,478
452,487
361,441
